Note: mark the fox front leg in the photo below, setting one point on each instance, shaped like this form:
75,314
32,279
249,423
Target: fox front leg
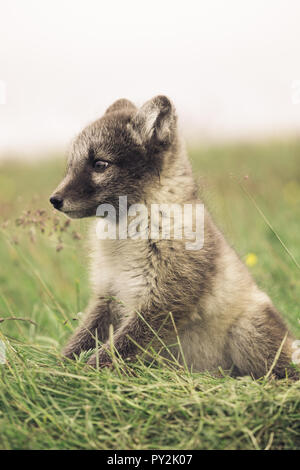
132,339
96,324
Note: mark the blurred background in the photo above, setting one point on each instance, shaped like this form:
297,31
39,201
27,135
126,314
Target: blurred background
232,69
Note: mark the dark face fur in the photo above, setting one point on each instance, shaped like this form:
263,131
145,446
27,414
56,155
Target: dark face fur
121,154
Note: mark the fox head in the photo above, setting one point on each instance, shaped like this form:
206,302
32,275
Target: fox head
122,153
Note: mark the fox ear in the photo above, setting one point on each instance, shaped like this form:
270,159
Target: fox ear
119,105
155,121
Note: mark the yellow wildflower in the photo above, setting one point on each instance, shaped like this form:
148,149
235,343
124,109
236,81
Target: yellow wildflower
251,259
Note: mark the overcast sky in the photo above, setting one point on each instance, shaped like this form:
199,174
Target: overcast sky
228,65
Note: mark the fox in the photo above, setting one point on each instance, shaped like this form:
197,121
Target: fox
152,294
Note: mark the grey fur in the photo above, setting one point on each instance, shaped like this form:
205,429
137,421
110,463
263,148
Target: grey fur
222,317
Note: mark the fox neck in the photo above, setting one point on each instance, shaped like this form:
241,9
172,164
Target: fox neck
176,184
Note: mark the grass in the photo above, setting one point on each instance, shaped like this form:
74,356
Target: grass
47,404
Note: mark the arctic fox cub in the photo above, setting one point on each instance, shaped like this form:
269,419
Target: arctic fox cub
151,289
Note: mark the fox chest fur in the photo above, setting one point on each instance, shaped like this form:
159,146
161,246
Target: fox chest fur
122,270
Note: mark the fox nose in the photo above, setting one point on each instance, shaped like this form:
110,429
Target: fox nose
56,201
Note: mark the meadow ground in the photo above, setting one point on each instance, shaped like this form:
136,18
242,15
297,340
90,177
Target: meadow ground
47,404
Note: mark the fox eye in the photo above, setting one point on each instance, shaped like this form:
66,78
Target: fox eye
100,166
